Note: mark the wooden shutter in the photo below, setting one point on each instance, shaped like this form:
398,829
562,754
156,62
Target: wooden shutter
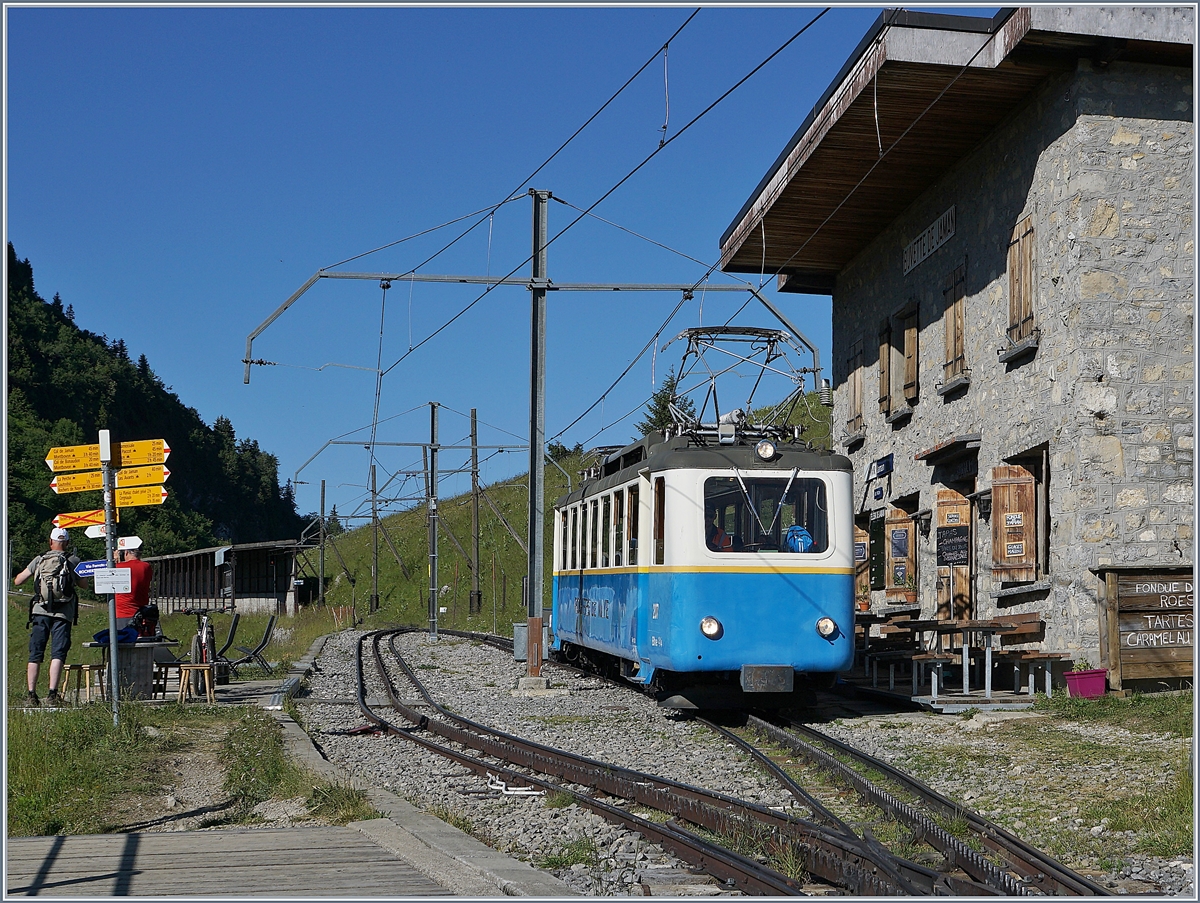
954,554
901,558
862,563
954,292
1020,281
1014,524
909,325
885,368
854,422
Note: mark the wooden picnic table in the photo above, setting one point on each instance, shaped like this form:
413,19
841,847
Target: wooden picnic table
985,629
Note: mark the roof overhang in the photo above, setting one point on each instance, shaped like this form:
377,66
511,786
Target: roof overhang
918,94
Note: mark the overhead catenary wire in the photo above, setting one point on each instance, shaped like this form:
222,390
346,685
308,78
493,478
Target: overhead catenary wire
622,181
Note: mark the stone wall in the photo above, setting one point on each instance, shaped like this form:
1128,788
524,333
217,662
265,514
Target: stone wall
1103,162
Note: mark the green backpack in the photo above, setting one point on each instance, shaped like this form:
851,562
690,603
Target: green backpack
53,581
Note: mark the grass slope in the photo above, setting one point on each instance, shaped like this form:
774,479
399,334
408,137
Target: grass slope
405,599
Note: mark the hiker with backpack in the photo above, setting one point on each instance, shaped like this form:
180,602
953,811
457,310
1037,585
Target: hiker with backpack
52,612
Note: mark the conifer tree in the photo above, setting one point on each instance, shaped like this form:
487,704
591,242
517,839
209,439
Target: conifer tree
658,412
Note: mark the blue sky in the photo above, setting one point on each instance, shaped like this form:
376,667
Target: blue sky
176,173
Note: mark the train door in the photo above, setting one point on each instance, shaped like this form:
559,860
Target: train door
954,553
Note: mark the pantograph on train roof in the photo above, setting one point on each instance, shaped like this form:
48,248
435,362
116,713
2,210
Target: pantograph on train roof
727,353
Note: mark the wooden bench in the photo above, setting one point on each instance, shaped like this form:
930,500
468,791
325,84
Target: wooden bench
82,673
1034,658
937,659
185,682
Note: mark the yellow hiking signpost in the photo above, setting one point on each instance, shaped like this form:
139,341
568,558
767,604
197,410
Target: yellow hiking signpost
140,495
138,482
94,479
125,454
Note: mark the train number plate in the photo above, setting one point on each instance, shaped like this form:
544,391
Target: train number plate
767,679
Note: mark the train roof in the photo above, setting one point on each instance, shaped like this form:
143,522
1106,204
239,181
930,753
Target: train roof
657,453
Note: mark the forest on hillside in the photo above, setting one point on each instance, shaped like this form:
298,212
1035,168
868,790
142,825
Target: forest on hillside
66,383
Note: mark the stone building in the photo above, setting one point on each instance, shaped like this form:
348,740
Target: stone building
1003,213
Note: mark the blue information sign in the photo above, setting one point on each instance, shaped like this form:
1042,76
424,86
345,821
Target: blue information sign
87,568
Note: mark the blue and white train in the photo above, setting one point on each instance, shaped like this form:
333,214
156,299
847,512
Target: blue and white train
716,573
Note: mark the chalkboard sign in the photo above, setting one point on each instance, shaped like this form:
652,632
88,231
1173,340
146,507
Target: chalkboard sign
953,546
899,543
860,551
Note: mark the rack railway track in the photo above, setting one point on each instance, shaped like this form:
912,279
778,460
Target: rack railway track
829,848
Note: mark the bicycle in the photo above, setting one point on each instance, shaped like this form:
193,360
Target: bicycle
204,643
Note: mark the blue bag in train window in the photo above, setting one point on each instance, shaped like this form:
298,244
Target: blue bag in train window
798,539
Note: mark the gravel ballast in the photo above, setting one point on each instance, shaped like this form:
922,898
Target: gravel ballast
959,757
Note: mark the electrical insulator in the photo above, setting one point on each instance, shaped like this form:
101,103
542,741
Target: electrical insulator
826,394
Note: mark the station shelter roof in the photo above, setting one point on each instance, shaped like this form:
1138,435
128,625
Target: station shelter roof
918,94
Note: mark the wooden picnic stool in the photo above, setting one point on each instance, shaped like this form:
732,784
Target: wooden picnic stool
82,672
185,683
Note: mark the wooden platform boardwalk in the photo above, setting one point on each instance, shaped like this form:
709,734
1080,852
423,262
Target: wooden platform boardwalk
271,862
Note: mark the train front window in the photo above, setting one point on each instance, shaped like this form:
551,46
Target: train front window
766,514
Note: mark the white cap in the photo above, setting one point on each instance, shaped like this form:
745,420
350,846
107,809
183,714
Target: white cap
58,534
129,542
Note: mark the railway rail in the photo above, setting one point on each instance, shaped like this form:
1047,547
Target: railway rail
828,847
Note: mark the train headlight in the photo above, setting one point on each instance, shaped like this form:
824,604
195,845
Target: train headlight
711,628
826,627
765,449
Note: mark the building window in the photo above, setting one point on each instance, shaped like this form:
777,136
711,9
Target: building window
1020,519
908,327
1021,283
854,364
885,367
954,293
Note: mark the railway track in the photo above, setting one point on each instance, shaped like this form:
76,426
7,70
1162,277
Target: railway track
702,828
828,855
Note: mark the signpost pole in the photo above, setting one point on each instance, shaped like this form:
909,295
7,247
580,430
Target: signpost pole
110,531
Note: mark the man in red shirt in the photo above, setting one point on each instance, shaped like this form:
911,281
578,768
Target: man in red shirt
140,574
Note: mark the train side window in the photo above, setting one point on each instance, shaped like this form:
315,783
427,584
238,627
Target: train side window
583,535
633,523
660,501
595,554
562,555
618,528
606,534
574,537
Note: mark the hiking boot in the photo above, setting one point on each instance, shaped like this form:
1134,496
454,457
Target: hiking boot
31,700
53,699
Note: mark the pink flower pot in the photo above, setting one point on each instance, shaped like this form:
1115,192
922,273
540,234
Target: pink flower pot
1087,684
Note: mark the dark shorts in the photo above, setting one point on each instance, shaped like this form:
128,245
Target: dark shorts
57,631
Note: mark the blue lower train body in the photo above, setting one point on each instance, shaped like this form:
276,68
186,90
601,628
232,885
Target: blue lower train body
652,619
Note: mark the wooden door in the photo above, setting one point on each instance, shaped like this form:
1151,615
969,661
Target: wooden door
954,554
862,565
